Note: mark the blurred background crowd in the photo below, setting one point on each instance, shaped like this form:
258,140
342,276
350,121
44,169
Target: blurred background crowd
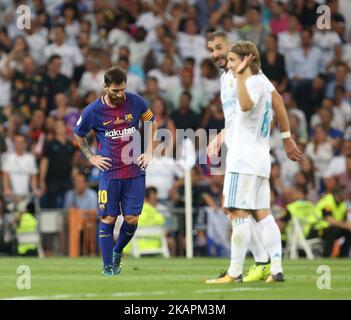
50,72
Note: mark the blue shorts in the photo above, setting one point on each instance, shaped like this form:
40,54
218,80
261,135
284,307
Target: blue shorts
124,196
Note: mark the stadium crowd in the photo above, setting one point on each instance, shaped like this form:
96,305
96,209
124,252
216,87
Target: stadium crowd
51,71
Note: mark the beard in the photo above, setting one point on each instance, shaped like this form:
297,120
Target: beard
218,64
115,100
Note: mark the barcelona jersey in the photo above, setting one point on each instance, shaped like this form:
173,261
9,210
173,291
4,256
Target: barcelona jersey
117,134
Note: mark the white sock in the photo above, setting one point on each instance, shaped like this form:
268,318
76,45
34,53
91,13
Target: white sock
272,241
240,241
256,244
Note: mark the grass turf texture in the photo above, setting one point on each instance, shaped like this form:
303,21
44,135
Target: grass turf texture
171,279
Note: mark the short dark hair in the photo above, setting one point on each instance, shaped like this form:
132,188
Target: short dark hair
115,75
217,34
53,57
150,190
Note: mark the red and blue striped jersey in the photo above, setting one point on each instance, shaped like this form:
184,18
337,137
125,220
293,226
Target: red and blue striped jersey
117,134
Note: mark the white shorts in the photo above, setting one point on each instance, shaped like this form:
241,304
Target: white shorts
246,191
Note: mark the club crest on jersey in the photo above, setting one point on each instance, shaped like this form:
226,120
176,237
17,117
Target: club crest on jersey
128,118
101,206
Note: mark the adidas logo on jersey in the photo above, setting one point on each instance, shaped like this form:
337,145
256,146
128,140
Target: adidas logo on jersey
118,133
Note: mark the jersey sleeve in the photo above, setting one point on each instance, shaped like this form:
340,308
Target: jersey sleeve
270,85
146,114
254,89
84,123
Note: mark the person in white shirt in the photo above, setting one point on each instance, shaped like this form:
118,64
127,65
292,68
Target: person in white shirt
71,55
290,38
266,230
19,171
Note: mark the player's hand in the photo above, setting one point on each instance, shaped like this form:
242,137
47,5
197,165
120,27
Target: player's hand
244,64
144,160
291,149
213,148
103,163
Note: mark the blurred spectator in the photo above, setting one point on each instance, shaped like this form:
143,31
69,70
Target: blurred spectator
311,102
28,89
227,25
190,42
290,38
273,64
27,223
198,100
307,12
93,77
81,197
305,63
152,90
337,165
213,116
37,132
279,22
56,167
19,171
209,79
344,179
185,118
134,83
332,207
341,79
68,114
70,54
55,81
168,49
254,30
326,40
165,124
337,19
37,41
204,10
320,150
166,75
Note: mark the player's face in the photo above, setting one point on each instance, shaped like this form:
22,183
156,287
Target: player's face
218,49
233,61
116,93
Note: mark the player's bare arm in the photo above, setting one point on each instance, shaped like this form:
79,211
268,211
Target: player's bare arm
215,145
291,149
103,163
150,132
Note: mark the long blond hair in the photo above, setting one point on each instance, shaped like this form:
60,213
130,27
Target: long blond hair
244,48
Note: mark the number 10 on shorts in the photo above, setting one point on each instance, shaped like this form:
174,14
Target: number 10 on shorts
102,194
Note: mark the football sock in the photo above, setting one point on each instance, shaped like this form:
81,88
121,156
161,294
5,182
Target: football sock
256,247
240,241
271,238
125,235
106,242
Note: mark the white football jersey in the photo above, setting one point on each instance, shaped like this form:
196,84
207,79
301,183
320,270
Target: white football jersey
247,133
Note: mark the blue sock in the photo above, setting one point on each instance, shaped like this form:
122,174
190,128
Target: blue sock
106,242
125,235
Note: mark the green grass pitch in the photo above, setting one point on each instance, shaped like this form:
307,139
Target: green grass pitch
150,278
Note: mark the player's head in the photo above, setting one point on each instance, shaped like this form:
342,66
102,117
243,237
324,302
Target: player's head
237,53
218,46
115,84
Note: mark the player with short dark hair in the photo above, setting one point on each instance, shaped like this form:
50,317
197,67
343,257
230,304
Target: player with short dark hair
115,118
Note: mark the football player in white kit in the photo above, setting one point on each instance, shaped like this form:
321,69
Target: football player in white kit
246,101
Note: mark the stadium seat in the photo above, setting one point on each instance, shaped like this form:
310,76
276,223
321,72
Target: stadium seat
51,227
150,232
296,240
31,238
